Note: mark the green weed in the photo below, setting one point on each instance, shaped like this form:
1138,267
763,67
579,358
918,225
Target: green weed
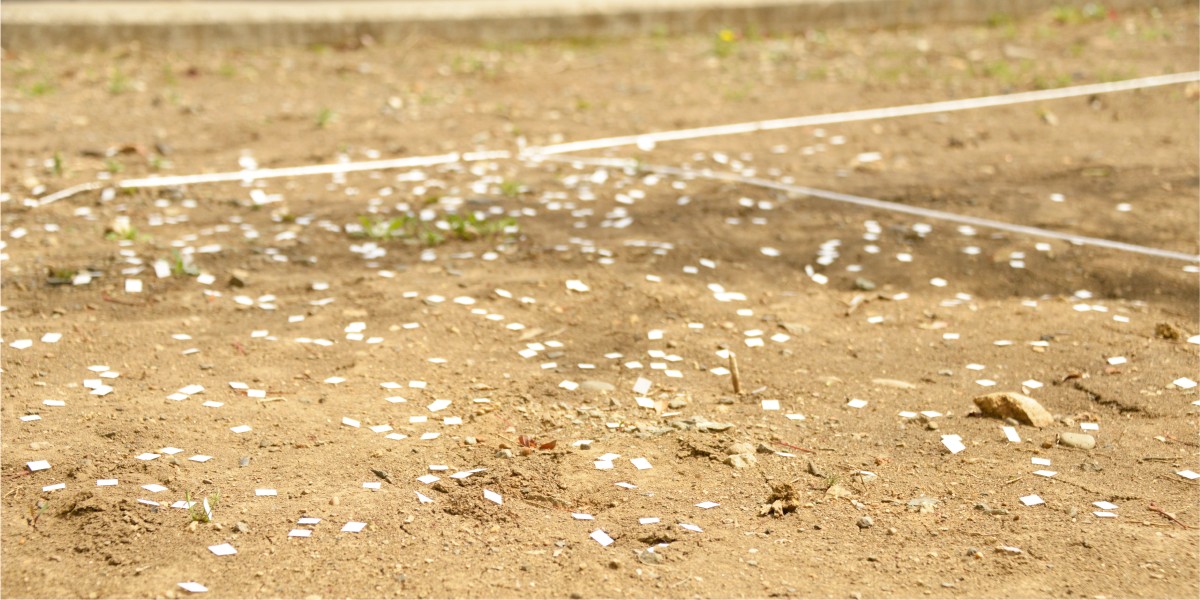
196,511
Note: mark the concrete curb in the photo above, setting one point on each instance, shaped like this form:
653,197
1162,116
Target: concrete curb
193,25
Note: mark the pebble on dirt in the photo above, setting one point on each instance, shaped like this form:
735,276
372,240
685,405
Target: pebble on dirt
1003,405
865,522
1082,441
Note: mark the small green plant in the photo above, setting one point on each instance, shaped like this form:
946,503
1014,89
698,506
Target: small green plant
60,275
113,165
36,510
122,229
227,70
725,43
325,117
182,265
118,82
39,88
56,165
412,229
198,511
1074,15
511,188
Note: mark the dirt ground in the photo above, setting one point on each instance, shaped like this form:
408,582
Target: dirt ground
349,348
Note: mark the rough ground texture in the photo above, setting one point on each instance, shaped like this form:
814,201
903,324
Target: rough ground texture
291,271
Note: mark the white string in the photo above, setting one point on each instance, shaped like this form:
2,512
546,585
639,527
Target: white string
647,140
251,175
926,213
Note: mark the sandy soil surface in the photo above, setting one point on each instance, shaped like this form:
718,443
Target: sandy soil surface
327,341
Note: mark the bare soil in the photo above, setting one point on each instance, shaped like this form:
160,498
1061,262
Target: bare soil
290,279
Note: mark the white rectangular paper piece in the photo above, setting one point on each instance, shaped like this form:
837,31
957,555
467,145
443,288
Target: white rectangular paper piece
648,520
265,492
300,533
691,527
200,458
240,429
372,485
223,549
1010,433
856,403
770,405
583,517
953,443
708,504
38,465
54,486
154,487
1032,500
641,463
493,496
1045,473
106,482
1188,474
1037,460
193,587
308,521
1103,514
353,527
602,538
1104,505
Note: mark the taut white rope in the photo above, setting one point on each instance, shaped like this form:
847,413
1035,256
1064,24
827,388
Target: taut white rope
869,114
927,213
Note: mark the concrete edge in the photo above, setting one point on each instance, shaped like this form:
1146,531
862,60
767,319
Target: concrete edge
183,26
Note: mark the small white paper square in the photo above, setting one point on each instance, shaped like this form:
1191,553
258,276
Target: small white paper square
53,487
199,458
1010,433
423,499
351,422
265,492
222,549
106,482
626,485
583,517
691,527
641,463
437,405
1103,514
308,521
642,386
300,533
147,456
1037,460
428,479
28,418
372,485
648,520
193,587
154,487
856,403
240,429
770,405
953,443
38,465
1188,474
353,527
1045,473
1104,505
493,496
602,538
170,451
1032,500
708,504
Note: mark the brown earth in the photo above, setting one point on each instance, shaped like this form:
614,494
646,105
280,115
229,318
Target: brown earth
136,112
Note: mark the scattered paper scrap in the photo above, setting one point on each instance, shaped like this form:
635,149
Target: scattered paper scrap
1032,500
691,527
222,549
602,538
493,496
193,587
708,504
300,533
38,465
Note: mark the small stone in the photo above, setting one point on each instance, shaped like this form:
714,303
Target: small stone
815,470
922,504
838,490
892,531
241,527
39,445
864,284
741,461
650,557
1168,331
504,453
1002,405
677,403
764,449
740,448
614,564
470,440
725,400
244,461
238,278
334,501
593,385
1082,441
711,426
865,522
